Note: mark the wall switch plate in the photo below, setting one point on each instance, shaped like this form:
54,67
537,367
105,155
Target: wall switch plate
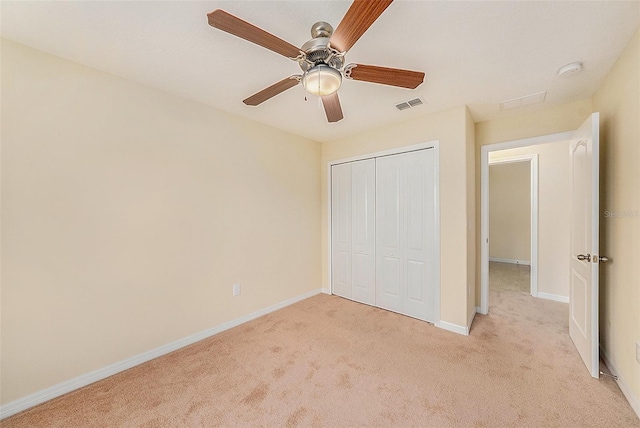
236,289
638,352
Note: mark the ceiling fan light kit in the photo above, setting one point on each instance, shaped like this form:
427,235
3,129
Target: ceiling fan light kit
321,59
322,80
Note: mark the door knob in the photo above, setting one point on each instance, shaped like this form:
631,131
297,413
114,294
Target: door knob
583,257
600,259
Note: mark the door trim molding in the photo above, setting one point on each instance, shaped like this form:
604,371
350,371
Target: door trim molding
484,207
435,145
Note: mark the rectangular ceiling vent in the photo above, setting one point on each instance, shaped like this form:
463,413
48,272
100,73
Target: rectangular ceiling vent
527,100
408,104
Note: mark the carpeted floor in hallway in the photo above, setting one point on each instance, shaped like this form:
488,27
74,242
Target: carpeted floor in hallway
330,362
509,277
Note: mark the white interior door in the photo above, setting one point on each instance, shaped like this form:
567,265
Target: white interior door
363,235
405,234
583,297
341,229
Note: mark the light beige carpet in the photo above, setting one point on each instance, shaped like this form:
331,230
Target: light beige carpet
509,277
330,362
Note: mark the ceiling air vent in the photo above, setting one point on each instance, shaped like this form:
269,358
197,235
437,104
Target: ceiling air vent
408,104
523,101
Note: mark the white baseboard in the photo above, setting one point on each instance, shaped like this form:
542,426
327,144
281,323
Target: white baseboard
626,390
54,391
326,291
453,327
557,298
513,261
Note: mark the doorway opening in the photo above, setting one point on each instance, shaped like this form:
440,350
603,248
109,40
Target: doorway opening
555,218
513,222
568,228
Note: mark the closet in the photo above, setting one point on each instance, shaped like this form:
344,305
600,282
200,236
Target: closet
383,232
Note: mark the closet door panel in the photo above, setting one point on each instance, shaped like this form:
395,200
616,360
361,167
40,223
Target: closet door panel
416,302
341,230
363,175
389,231
432,250
415,281
389,202
360,274
415,206
391,283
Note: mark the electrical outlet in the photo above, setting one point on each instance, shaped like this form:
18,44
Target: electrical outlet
638,352
236,289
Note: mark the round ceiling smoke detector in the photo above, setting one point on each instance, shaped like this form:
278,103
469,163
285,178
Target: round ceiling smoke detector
570,69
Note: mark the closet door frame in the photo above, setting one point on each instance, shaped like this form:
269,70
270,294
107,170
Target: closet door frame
434,145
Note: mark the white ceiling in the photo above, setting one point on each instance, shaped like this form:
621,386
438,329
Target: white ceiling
476,53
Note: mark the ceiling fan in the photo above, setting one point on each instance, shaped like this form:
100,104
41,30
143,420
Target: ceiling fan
321,59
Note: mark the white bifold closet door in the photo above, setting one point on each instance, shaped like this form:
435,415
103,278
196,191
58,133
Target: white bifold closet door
383,231
353,230
406,232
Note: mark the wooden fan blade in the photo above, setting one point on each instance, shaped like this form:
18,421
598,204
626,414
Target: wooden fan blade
272,91
332,107
236,26
356,21
386,76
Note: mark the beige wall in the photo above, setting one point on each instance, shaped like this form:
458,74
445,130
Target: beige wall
554,208
128,213
510,211
618,102
450,128
563,118
471,215
552,120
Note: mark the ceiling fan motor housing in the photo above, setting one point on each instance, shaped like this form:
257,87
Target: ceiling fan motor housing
317,51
